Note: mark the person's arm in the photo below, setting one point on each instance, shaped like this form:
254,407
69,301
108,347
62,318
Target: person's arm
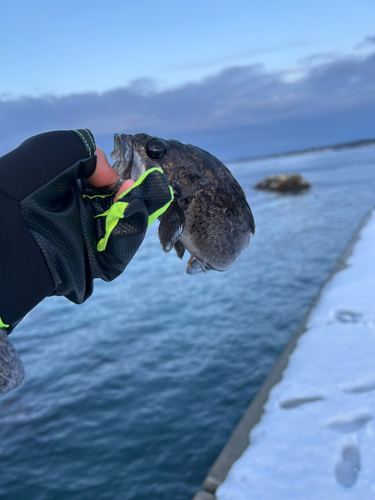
24,275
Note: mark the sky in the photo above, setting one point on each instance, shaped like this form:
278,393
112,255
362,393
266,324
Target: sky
211,66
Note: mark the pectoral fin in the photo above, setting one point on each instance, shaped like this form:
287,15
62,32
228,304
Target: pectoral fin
180,249
171,226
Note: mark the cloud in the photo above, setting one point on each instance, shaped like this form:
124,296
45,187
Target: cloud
319,58
243,54
238,98
369,40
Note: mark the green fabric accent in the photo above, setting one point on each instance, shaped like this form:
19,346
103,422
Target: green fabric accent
97,196
3,325
113,215
161,210
117,210
140,180
88,140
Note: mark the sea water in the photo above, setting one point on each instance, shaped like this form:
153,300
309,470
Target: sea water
132,395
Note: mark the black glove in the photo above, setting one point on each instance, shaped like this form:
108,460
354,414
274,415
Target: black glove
59,232
83,235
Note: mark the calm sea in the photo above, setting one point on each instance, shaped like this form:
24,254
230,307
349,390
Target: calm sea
132,395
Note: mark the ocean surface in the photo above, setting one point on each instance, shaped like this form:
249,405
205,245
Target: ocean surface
132,395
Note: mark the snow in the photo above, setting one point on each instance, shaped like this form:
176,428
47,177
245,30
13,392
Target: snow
316,439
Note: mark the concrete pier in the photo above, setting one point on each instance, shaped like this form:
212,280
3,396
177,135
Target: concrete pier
240,440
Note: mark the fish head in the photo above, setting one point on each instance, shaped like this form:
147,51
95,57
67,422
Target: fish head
209,216
134,154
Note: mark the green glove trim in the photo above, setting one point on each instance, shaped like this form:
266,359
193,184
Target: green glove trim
141,179
161,210
117,210
88,140
96,196
3,325
113,215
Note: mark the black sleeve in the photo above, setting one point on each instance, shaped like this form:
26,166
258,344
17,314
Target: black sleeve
24,275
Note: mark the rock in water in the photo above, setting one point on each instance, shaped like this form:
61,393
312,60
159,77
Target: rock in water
283,183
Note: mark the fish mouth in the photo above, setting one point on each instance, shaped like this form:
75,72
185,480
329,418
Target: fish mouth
123,154
127,153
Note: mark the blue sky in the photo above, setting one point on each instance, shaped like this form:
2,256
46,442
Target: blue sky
63,47
238,78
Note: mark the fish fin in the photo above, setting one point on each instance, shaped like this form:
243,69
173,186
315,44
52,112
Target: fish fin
180,249
185,188
188,179
195,267
171,226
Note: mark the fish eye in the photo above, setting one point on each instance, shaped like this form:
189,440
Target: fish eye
156,149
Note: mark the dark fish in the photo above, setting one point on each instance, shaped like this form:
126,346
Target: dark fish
209,216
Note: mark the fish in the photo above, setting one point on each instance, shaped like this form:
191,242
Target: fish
209,216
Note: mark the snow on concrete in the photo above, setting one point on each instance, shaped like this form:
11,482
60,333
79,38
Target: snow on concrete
316,439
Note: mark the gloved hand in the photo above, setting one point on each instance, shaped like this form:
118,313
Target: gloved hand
60,232
92,237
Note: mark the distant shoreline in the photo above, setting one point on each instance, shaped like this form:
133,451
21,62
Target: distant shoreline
333,147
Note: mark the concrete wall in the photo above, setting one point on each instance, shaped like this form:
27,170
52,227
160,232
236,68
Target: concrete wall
240,439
